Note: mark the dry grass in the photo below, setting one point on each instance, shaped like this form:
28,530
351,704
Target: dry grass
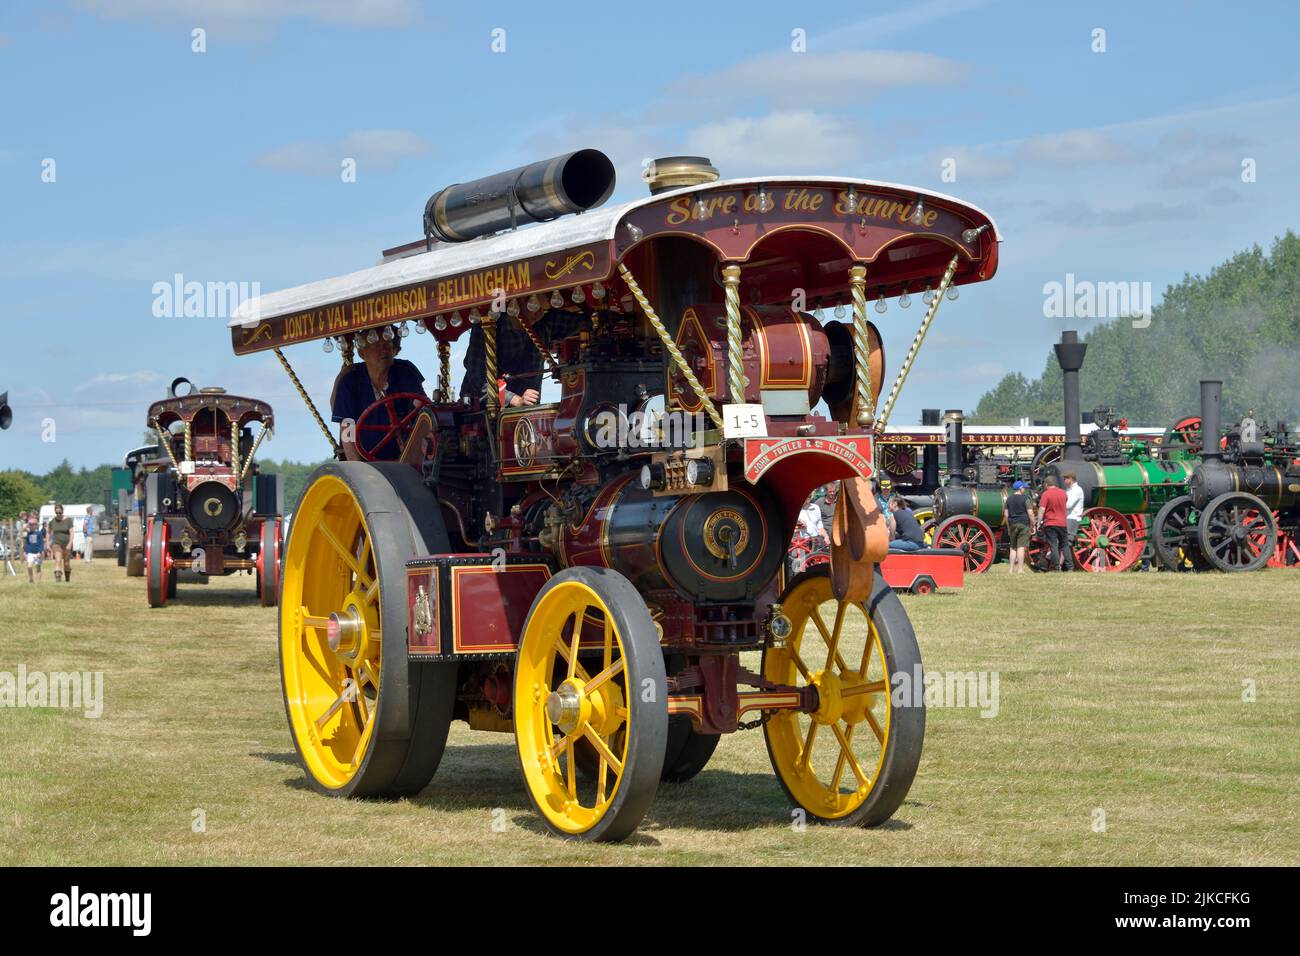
1117,692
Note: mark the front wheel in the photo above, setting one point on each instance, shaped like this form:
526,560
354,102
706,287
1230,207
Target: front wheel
616,705
852,760
160,577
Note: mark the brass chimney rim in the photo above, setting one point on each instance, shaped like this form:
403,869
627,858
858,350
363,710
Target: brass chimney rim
674,172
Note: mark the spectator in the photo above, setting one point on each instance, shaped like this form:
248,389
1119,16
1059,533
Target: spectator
826,496
1018,516
88,526
33,547
1051,516
907,530
1073,515
60,528
810,522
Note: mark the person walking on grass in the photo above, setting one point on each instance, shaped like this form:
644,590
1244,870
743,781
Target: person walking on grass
33,548
1051,516
60,528
1073,515
1018,516
88,529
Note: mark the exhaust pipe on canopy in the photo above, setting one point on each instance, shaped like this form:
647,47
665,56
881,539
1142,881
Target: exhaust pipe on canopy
537,192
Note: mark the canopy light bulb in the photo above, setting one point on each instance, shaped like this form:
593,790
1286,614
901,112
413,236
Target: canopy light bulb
372,336
388,333
970,235
578,295
880,303
403,331
534,303
765,203
512,308
328,345
557,300
928,295
635,232
904,300
850,200
440,323
598,290
701,209
918,213
420,326
952,293
839,309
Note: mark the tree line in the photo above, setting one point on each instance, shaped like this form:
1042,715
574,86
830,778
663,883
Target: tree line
1239,323
25,491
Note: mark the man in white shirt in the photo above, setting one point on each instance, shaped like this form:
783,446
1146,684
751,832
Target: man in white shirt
1073,515
810,522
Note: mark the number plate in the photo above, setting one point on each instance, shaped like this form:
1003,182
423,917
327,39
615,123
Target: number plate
743,421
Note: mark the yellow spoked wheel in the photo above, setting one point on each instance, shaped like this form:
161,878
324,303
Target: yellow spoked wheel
589,674
852,760
365,721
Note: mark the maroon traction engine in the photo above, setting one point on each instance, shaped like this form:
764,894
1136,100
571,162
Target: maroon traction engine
601,574
208,509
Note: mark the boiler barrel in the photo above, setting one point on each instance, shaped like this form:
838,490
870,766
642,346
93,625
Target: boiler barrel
717,547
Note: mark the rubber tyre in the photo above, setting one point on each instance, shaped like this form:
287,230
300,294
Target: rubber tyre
415,701
687,752
158,586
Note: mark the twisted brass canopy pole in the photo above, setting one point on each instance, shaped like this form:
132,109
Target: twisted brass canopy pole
489,323
735,357
444,372
864,416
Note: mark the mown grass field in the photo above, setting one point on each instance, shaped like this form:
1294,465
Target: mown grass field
1118,693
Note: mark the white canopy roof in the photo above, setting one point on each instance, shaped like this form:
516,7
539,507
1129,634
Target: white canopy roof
449,259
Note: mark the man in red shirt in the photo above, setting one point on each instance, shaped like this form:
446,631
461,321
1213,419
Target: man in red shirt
1051,506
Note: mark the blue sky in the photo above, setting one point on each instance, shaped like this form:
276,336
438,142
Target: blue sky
223,166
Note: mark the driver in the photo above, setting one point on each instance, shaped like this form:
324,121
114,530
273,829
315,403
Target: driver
518,361
379,374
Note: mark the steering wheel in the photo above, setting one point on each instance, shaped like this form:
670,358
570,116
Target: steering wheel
394,430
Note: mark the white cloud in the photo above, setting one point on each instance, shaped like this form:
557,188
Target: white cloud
907,20
359,13
1079,147
792,80
375,150
798,140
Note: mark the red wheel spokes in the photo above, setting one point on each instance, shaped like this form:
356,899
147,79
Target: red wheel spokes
395,429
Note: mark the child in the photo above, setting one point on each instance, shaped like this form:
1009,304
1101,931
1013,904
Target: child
33,548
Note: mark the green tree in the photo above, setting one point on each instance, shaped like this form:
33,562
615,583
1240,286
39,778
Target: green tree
18,492
1238,323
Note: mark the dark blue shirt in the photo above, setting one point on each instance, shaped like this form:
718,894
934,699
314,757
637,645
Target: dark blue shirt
908,528
33,542
354,393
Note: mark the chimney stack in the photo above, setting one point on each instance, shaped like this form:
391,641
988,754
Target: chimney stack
1069,353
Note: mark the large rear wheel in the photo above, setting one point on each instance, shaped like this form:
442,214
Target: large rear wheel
617,706
365,720
852,761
